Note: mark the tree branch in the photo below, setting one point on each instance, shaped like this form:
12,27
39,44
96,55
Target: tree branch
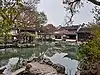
95,2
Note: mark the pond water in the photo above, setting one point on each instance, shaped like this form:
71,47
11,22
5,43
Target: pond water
70,65
58,52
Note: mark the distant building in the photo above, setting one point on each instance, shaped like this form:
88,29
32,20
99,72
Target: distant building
73,33
25,35
48,31
69,33
84,34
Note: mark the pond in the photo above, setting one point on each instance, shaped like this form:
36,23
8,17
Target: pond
58,52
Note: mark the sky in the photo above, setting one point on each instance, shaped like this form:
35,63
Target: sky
54,9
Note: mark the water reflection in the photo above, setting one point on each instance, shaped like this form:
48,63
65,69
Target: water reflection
69,64
58,52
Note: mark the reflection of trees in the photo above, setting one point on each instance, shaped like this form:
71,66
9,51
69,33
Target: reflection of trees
3,62
63,47
41,48
72,55
19,53
25,52
50,52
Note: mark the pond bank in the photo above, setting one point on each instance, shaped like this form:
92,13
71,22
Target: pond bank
17,46
41,67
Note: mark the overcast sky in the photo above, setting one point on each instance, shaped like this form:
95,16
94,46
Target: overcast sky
54,9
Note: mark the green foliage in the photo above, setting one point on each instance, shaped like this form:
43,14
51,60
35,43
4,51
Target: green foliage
16,14
42,18
90,51
8,12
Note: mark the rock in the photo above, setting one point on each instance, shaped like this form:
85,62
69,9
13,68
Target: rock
35,68
28,67
36,59
2,69
43,66
36,72
46,61
59,68
50,74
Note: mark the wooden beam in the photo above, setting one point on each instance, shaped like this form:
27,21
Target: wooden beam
95,2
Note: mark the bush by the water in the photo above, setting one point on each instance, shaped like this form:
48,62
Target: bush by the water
89,54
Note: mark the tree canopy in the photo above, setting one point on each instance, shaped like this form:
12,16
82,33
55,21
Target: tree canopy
17,13
31,18
9,10
89,52
73,6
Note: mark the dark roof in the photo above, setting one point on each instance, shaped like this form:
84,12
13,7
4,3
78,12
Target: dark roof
73,27
31,29
85,30
70,28
64,32
28,28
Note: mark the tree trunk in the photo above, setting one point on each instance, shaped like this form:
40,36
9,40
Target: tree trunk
5,43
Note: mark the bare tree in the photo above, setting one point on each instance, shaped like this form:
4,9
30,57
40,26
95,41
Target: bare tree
30,17
73,6
96,12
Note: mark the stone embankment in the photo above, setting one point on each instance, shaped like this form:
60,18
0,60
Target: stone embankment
41,67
